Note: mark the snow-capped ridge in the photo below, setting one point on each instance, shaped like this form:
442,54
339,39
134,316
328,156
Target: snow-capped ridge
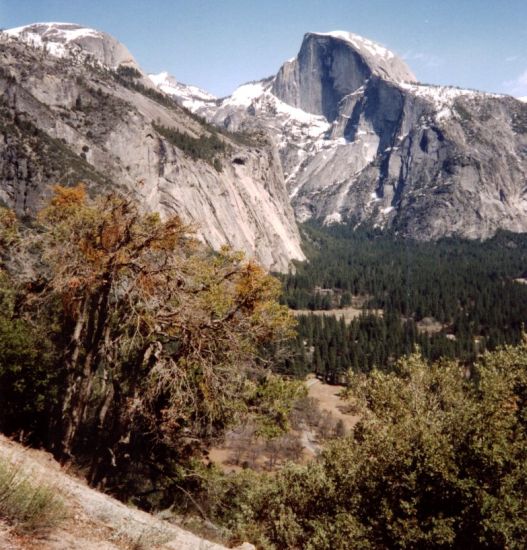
63,30
444,93
259,96
191,97
73,40
244,95
360,43
443,97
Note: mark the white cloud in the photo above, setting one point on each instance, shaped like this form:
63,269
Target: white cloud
426,59
517,86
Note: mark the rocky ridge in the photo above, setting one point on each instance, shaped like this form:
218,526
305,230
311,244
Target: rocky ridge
185,95
71,40
76,106
361,141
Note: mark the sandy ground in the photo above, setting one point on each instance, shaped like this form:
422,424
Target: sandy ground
221,456
429,325
329,399
347,313
93,521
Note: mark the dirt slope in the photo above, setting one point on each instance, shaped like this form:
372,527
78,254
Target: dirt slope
94,521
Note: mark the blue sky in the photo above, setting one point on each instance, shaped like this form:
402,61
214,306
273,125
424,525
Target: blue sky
219,44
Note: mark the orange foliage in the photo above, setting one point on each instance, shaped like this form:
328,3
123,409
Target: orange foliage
111,235
68,196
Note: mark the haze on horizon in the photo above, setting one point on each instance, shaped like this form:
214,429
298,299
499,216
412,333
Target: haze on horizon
219,45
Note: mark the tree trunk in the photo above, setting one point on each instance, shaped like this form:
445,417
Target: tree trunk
88,335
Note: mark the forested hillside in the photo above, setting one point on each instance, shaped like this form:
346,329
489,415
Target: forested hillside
438,461
453,298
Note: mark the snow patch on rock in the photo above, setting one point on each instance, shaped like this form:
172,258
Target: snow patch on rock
74,41
244,95
54,37
191,97
360,43
335,217
443,97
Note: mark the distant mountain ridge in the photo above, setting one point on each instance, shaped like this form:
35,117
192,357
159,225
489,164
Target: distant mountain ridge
63,39
188,96
361,141
342,133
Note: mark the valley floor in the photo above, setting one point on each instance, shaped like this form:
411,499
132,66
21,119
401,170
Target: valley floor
329,399
332,408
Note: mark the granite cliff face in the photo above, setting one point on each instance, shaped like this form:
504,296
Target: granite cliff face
360,141
71,40
342,133
329,67
75,106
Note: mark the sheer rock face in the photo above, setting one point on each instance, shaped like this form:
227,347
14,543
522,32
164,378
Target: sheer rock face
360,142
331,66
344,134
65,116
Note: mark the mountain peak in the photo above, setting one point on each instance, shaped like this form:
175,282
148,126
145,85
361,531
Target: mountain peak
64,39
358,42
380,60
68,31
38,34
190,97
332,65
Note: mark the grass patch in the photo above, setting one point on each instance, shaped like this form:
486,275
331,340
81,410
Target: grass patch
30,506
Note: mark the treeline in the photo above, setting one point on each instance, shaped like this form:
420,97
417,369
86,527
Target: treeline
206,147
330,347
467,289
130,78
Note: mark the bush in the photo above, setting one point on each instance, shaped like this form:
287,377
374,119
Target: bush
437,461
156,341
31,507
29,382
128,72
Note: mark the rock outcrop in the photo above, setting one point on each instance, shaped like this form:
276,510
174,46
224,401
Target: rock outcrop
75,106
342,133
93,520
69,39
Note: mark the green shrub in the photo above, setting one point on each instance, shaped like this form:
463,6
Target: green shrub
31,507
437,461
29,381
128,72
